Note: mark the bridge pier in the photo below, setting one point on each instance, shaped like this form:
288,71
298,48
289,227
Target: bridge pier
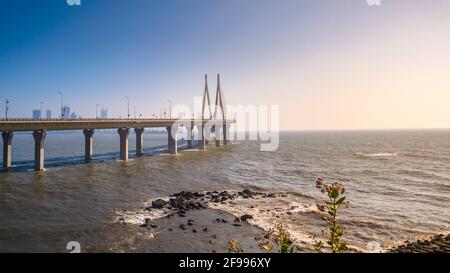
88,144
124,133
172,141
7,149
218,136
39,139
191,138
139,141
226,134
202,137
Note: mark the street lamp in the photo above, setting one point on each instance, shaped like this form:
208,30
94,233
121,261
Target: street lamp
163,112
170,109
40,109
128,105
6,108
96,110
62,112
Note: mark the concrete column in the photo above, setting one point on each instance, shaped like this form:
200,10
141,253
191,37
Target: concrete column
226,134
139,141
7,149
39,139
189,141
172,142
124,133
218,135
202,137
88,144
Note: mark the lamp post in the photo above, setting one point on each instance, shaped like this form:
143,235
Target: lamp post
128,106
40,109
170,109
61,97
6,108
96,110
163,112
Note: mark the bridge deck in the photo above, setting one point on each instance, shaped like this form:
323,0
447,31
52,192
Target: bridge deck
80,124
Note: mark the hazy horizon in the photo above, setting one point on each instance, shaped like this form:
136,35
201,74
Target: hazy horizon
328,65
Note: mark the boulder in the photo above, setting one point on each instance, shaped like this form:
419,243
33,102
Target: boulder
245,217
159,204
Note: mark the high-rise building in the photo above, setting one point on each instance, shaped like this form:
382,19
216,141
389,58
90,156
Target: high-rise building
48,114
73,115
104,113
36,114
66,112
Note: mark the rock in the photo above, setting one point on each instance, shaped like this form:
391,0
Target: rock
199,195
183,227
437,244
245,217
159,204
194,230
237,225
205,229
248,192
147,222
237,220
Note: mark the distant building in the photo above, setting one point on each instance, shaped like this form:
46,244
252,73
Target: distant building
36,114
65,112
48,114
73,115
104,113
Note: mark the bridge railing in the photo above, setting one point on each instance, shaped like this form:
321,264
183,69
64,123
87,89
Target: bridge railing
89,119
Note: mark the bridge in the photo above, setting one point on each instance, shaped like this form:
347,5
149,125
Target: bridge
214,122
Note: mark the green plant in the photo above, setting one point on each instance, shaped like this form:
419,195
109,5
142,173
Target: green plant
281,237
234,247
330,212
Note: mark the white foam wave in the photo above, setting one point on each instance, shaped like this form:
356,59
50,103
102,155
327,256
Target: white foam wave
376,154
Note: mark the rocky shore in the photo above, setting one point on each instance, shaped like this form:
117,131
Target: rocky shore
436,244
187,223
206,221
180,203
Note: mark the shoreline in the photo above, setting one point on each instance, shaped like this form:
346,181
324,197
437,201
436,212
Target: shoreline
206,221
432,244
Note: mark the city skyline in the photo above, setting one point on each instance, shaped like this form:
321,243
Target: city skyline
328,65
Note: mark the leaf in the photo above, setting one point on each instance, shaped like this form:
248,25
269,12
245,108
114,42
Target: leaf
340,201
334,194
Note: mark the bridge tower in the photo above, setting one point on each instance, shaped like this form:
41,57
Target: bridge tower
220,113
206,105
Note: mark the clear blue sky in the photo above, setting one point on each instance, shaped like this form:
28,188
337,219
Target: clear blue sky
267,51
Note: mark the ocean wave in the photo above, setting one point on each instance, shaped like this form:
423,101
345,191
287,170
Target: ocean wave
381,154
